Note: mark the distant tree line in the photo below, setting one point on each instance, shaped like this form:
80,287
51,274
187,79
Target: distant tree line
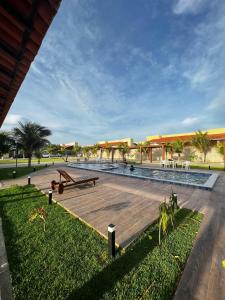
31,138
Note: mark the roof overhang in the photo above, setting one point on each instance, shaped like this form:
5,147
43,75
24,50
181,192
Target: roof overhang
185,138
23,25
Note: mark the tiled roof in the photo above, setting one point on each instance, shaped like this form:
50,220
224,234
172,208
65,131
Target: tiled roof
219,136
23,25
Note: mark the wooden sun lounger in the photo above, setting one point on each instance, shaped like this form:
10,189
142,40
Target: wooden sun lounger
70,181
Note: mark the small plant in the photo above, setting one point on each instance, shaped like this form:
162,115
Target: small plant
39,213
163,219
167,213
173,201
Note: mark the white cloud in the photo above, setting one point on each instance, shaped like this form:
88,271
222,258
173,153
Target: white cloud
190,121
85,89
198,75
218,103
12,119
35,69
188,6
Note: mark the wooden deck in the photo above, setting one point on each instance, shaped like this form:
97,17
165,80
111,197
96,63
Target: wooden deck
132,205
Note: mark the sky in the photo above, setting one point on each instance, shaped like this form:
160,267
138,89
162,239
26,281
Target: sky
111,69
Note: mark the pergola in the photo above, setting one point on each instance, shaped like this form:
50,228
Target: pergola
187,138
115,146
161,144
23,25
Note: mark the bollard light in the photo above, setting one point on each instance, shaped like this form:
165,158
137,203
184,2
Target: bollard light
28,179
111,240
14,174
34,169
175,198
50,197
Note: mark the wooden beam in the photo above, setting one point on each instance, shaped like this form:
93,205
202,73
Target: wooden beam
150,154
163,151
112,155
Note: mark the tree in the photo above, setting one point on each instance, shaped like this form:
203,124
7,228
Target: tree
123,149
54,149
139,147
167,148
5,142
220,148
86,151
108,149
178,147
76,150
141,150
38,155
31,137
202,142
94,149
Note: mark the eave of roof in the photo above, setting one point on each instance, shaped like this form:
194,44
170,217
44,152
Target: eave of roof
23,25
186,138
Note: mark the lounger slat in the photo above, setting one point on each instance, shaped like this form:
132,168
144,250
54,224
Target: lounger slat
70,181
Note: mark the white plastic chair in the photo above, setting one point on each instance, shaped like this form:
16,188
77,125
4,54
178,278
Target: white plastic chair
164,163
186,165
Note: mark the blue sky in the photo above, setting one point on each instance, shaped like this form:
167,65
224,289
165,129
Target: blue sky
111,69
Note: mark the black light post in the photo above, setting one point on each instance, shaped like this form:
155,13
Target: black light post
50,197
28,179
16,153
111,240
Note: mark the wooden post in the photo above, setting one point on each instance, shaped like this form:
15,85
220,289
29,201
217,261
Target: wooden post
163,152
141,155
112,155
150,154
171,153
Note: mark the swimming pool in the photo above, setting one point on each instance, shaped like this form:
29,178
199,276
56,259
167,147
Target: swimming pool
189,178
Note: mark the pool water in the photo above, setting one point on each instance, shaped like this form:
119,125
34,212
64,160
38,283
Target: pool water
166,175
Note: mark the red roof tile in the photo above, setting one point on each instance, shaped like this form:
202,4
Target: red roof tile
23,25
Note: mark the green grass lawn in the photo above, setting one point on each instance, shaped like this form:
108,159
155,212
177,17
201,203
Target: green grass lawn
204,167
69,260
34,160
7,173
216,168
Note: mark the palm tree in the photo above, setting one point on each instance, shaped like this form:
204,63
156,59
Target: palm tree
167,147
202,142
141,150
86,151
108,149
31,137
54,149
94,149
123,149
76,149
5,142
220,148
38,155
178,147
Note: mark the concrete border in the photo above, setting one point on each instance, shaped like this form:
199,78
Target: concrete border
208,185
5,277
